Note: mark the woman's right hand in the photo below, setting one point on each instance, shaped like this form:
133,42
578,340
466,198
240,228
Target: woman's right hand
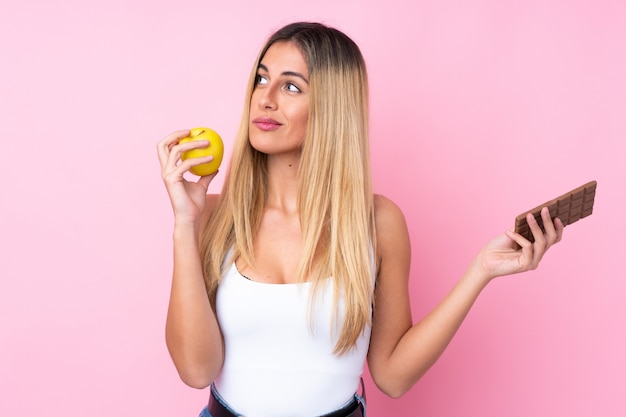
187,197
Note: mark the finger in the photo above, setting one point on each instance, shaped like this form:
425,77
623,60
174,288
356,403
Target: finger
176,149
522,243
206,180
172,138
187,164
539,246
535,229
548,225
509,240
164,146
176,153
559,229
526,247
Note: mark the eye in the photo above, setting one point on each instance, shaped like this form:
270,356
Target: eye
261,80
292,88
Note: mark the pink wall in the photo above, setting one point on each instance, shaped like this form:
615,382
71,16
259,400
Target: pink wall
480,109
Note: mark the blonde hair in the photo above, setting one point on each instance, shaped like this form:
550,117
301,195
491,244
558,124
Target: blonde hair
335,199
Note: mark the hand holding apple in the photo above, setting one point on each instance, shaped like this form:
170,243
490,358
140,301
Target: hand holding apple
215,149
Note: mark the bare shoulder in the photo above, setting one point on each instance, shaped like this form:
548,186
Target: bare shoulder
386,210
392,237
389,217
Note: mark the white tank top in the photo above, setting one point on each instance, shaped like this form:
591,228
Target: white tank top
277,363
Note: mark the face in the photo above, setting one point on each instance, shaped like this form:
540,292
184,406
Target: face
279,108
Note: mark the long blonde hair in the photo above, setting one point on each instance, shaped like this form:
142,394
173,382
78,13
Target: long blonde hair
335,199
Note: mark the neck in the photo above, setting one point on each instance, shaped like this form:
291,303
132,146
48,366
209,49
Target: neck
283,183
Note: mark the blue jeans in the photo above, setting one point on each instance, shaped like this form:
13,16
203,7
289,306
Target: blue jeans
205,412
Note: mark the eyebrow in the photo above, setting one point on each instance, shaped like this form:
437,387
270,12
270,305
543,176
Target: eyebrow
287,73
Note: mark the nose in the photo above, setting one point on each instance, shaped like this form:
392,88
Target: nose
267,98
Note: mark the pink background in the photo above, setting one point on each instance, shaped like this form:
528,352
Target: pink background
480,110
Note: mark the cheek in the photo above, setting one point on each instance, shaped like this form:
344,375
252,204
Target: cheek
302,117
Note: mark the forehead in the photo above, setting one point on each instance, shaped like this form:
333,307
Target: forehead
284,56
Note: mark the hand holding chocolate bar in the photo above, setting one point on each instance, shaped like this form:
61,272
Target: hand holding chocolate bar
569,208
522,248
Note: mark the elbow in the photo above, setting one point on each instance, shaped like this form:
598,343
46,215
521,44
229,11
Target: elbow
195,379
196,370
396,395
197,375
394,392
393,385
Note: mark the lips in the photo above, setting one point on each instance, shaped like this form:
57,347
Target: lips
266,123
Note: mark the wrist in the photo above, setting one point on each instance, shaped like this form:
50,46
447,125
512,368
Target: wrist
478,272
184,229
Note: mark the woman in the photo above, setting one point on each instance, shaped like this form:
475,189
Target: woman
296,273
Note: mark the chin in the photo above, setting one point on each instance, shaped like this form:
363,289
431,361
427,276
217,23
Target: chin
257,144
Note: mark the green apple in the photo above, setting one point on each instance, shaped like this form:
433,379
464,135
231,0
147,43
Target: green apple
215,149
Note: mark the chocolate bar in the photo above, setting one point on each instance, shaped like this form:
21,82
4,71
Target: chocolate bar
569,208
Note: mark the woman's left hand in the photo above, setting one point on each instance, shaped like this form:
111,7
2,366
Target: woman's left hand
501,256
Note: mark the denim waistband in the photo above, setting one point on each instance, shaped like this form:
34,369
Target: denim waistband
218,407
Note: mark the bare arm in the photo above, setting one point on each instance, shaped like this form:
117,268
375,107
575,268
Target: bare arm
192,332
400,352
